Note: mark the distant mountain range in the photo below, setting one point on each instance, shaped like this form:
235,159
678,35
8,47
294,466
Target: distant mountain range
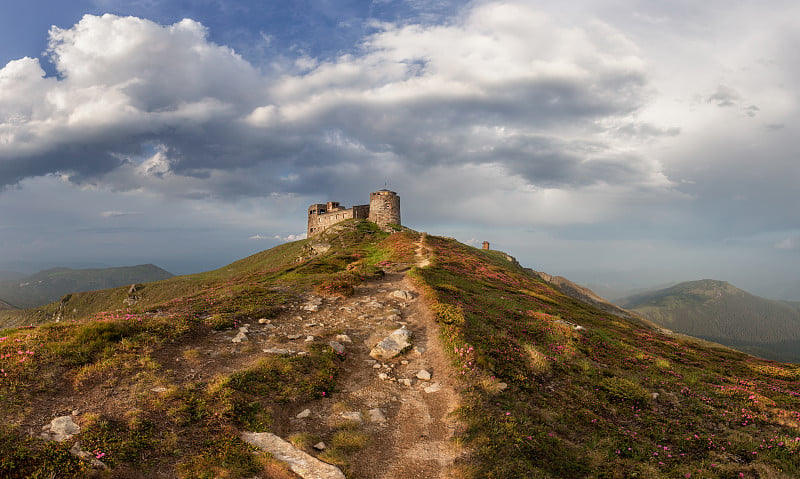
49,285
720,312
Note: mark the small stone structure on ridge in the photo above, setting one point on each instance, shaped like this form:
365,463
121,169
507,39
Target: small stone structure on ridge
383,209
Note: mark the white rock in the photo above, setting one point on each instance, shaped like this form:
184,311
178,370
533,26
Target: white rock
406,382
320,446
392,345
303,414
402,294
376,415
244,329
383,376
301,463
424,375
309,339
352,416
264,321
240,336
294,336
61,428
435,387
281,351
343,338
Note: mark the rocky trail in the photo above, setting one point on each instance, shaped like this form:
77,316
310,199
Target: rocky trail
403,402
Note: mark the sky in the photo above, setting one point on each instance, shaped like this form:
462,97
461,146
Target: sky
623,144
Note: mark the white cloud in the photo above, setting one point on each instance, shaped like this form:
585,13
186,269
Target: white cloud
789,244
291,237
494,87
117,214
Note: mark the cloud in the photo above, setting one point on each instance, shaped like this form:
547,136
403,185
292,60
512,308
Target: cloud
789,244
117,214
724,96
291,237
137,105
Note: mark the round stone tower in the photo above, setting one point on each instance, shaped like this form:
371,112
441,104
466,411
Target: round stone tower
384,208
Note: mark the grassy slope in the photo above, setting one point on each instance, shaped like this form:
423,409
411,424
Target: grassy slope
49,285
193,428
579,403
720,312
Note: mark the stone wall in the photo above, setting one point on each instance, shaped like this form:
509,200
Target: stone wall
384,208
320,219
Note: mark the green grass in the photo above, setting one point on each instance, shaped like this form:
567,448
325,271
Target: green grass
580,403
612,400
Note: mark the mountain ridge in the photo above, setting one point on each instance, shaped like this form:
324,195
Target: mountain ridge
719,311
541,384
49,285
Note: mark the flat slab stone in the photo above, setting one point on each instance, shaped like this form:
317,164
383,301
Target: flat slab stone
60,428
280,351
301,463
433,388
392,345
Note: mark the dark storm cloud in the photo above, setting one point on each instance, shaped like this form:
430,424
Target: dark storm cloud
724,96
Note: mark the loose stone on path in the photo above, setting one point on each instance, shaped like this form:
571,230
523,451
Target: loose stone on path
392,345
301,463
435,387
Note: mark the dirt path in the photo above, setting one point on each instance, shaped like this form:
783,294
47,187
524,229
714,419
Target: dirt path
405,414
410,435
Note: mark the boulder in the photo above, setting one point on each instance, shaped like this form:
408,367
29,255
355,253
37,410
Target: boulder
301,463
352,416
337,347
60,428
393,345
376,415
93,461
240,336
303,414
402,294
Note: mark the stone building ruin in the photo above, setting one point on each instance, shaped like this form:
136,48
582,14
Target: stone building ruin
383,209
